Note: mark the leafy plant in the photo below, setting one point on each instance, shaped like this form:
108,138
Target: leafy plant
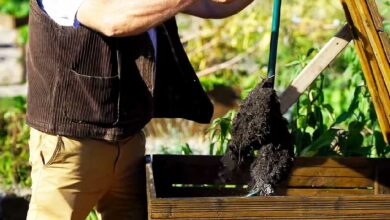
336,116
14,135
92,215
220,133
18,8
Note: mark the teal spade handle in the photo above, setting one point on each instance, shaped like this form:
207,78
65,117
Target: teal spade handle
274,41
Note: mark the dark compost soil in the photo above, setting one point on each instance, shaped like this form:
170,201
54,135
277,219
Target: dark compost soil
261,143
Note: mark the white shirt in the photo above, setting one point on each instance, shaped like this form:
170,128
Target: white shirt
63,12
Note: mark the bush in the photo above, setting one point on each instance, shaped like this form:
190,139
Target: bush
14,135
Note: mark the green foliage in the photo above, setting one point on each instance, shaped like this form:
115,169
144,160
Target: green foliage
92,215
18,8
182,149
336,116
220,133
14,135
23,35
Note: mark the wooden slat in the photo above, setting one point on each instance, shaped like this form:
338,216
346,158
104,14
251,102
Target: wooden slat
286,207
209,192
332,172
320,173
370,67
341,162
190,170
378,22
150,181
205,169
330,182
323,192
375,42
375,15
150,188
386,44
179,192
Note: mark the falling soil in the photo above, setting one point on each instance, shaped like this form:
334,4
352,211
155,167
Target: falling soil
261,142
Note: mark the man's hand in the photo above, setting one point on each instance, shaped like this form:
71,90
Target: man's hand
216,8
117,18
223,1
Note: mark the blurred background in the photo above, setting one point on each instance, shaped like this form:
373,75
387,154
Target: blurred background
334,117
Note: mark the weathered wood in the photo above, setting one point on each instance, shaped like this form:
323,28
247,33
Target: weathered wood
315,67
378,22
318,188
375,15
332,172
323,192
341,162
368,18
329,182
386,44
286,207
375,79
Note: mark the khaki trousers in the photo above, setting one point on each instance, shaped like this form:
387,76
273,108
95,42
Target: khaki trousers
71,176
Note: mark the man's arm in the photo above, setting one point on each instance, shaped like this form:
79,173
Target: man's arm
128,17
118,18
214,9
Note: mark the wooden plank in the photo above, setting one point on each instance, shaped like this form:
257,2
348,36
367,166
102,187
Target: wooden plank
332,172
375,15
341,162
179,192
386,44
301,202
189,170
187,192
382,180
369,67
375,42
150,188
214,161
323,192
150,181
171,169
315,67
285,207
329,182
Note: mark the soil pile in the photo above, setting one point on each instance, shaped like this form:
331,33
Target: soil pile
261,143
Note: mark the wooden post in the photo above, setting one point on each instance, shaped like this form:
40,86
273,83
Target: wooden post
365,23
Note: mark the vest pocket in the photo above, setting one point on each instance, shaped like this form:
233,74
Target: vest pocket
90,99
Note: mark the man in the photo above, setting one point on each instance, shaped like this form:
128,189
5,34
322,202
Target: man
98,71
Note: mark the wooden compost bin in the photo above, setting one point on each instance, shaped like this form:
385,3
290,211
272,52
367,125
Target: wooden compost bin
188,187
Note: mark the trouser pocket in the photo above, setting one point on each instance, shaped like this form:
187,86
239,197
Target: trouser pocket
44,148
